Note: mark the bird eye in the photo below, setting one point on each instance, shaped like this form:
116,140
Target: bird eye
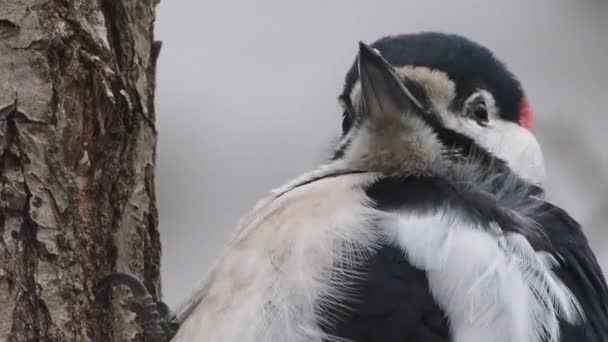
479,112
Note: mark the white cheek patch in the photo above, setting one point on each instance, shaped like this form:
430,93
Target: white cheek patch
518,147
508,141
492,286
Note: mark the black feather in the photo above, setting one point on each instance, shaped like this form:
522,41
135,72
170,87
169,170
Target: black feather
580,272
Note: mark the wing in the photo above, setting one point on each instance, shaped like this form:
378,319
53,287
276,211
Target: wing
580,272
392,304
473,273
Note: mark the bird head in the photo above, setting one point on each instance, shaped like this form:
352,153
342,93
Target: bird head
415,101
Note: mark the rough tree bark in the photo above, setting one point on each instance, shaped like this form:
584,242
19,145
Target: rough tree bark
77,154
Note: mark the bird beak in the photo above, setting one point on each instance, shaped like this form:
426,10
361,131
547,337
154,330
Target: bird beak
384,93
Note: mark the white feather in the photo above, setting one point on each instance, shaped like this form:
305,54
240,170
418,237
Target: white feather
492,288
282,262
507,140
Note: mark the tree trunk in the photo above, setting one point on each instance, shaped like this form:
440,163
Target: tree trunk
77,154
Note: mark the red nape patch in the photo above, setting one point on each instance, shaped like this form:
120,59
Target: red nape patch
526,117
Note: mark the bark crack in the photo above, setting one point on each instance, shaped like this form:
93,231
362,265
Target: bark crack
28,302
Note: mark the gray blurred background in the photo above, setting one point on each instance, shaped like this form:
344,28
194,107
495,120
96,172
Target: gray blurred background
247,100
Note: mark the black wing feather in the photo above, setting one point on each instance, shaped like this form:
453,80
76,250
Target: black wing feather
394,304
580,272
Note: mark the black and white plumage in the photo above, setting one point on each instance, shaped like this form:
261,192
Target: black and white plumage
428,224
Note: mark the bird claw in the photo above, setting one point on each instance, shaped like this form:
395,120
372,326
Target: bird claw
156,319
